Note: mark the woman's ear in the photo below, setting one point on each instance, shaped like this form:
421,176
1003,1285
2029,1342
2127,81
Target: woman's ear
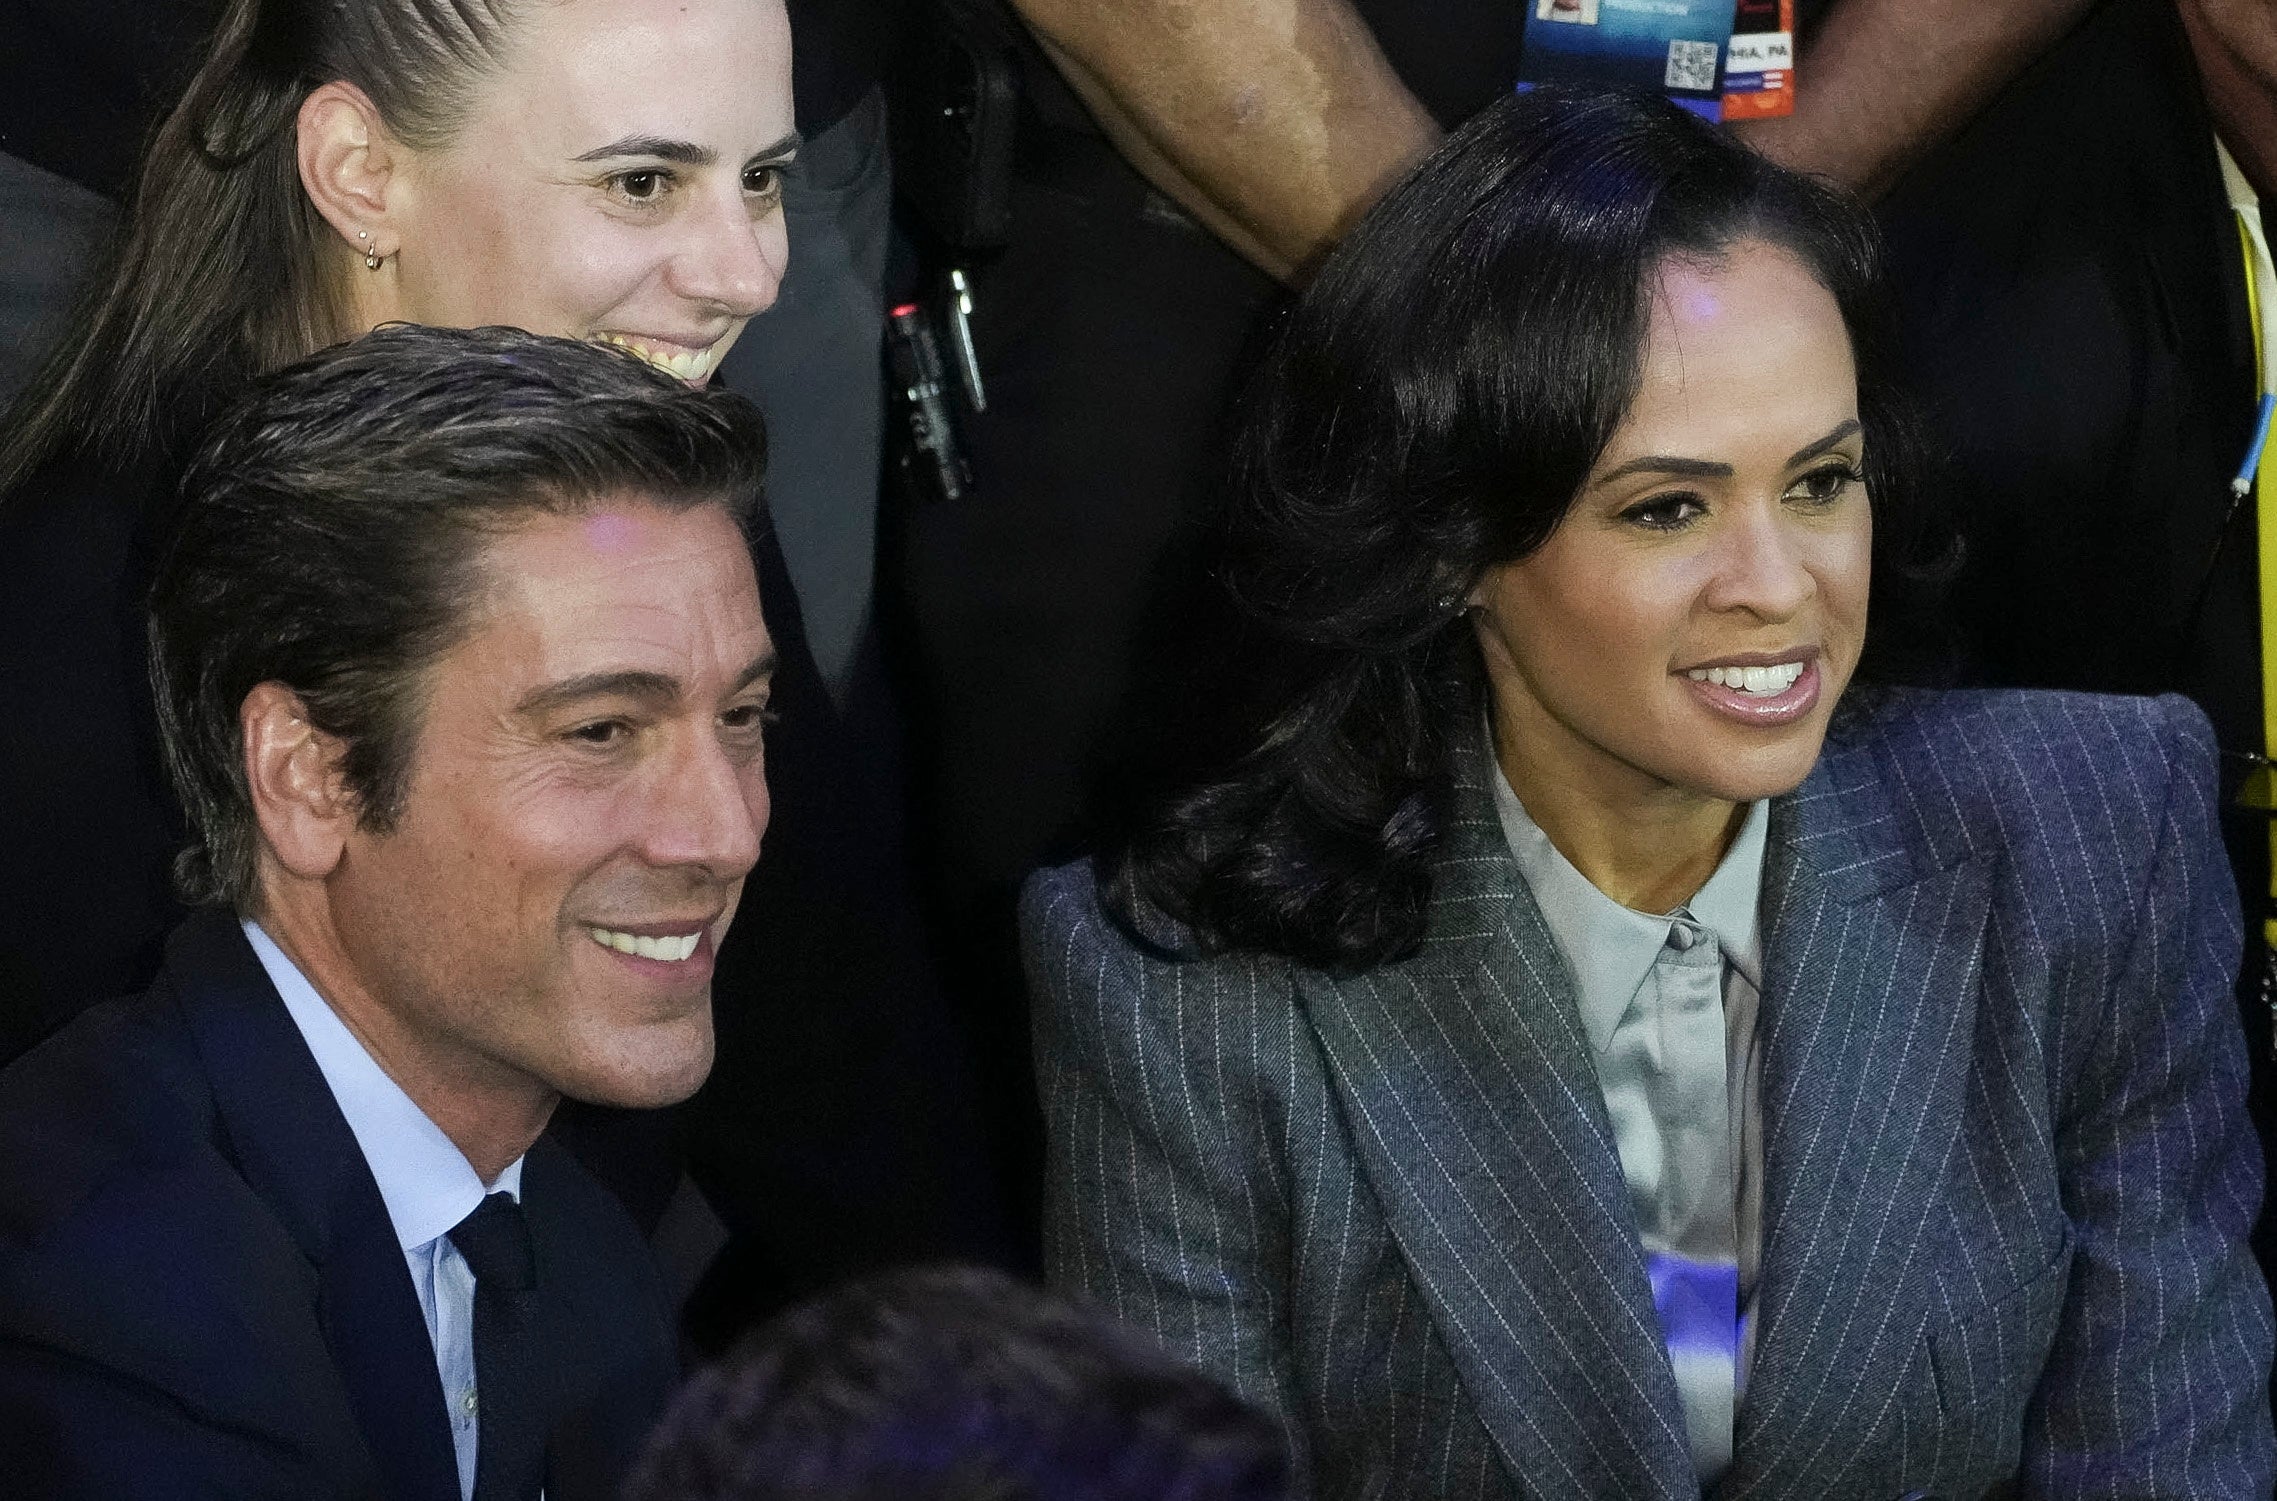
1462,593
350,167
294,772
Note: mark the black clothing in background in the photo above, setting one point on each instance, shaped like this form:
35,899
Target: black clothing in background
1455,56
84,82
1021,616
840,50
51,231
88,826
201,1292
844,1107
2071,288
2072,313
1038,619
82,86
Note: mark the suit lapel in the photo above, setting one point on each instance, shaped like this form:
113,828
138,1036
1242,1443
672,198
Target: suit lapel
1874,925
295,1150
1474,1103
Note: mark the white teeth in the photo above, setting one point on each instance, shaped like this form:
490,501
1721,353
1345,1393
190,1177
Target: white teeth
1757,682
688,365
671,950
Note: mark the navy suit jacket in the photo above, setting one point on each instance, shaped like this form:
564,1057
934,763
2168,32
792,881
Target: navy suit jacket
2008,1173
201,1294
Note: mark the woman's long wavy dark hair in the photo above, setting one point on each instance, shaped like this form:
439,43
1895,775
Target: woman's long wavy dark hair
224,269
1429,409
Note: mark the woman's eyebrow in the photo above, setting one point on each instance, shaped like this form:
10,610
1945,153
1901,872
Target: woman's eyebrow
683,153
1810,451
1658,463
1667,464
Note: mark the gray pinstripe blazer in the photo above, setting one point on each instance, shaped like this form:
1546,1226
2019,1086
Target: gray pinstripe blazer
2008,1171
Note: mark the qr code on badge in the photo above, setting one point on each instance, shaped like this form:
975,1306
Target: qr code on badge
1692,65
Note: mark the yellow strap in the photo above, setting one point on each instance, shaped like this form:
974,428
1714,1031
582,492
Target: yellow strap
2265,535
2252,298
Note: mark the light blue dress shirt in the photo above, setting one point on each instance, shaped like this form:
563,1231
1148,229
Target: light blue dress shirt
1669,1003
426,1182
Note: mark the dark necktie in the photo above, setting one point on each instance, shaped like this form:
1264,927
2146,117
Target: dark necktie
510,1435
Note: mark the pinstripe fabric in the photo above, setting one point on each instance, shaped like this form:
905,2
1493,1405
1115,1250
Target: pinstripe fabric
2008,1173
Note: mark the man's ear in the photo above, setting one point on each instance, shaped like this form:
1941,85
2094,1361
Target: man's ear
294,771
350,168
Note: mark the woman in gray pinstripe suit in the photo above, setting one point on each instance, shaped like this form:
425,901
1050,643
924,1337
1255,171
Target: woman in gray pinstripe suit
1575,1049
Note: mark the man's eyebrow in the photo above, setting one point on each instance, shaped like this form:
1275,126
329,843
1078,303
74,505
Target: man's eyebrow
643,687
762,666
647,687
1810,451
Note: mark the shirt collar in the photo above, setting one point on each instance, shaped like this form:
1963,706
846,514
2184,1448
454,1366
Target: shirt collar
2241,193
425,1180
2261,268
1730,905
1611,948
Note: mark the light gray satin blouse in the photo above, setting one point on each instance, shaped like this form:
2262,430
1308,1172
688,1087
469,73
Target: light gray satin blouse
1669,1004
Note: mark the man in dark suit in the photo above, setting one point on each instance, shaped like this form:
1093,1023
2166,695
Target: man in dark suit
462,675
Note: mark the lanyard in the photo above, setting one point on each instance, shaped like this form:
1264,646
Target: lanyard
2261,290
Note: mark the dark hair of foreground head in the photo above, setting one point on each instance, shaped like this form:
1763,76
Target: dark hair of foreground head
1429,409
331,531
955,1385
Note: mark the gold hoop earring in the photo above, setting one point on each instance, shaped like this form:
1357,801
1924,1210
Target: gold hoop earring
371,259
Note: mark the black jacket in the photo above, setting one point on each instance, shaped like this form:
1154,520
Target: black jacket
88,828
201,1293
2073,311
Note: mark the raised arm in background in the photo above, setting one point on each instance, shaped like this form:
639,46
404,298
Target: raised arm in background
1277,122
2235,43
1884,80
1273,122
